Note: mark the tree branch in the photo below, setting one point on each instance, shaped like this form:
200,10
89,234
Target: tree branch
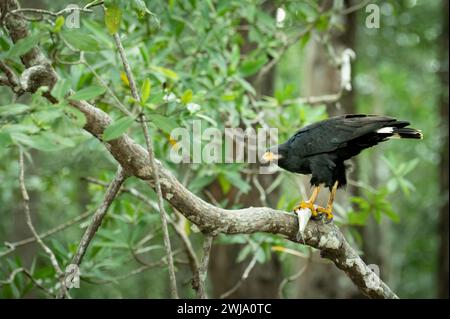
134,159
207,217
151,157
243,278
189,250
17,271
97,219
26,201
203,269
13,246
295,276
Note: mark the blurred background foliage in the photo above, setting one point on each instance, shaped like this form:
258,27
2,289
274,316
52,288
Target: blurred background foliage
231,64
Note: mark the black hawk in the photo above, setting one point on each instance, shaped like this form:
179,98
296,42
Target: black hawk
321,149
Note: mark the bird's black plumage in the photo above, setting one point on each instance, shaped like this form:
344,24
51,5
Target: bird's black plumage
322,148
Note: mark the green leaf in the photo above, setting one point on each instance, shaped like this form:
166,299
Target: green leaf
47,142
100,33
322,23
207,118
235,56
392,215
165,123
167,73
247,86
59,23
377,215
5,139
141,8
232,239
244,253
145,91
80,40
4,45
411,165
117,128
251,66
187,96
307,10
260,255
237,181
113,16
88,93
24,45
200,181
225,185
13,109
157,98
60,89
75,115
305,39
357,218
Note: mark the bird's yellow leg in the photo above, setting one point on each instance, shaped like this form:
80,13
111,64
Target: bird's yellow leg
310,202
328,210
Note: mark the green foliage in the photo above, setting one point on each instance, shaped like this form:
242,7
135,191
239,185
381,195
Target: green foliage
113,16
23,46
117,128
60,89
88,93
79,40
145,91
209,53
375,204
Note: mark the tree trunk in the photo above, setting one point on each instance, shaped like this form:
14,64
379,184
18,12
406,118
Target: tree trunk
322,78
224,271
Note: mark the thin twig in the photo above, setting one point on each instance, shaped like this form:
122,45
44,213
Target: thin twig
10,75
11,79
203,270
208,217
189,250
244,276
299,254
354,8
295,276
289,251
211,197
321,99
110,194
133,272
17,271
130,190
151,156
261,190
29,240
361,185
119,105
26,202
266,68
93,4
43,12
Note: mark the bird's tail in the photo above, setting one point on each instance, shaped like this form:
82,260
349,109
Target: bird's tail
400,132
407,132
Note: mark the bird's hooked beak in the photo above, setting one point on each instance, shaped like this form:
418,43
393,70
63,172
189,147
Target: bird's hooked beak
270,157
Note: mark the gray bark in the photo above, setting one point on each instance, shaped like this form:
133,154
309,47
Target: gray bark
134,160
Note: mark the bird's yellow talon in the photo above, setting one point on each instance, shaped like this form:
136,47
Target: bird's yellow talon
306,204
326,211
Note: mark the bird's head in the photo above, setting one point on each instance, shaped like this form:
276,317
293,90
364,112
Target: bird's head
273,154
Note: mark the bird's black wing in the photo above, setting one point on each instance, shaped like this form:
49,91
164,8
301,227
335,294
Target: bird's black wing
336,132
